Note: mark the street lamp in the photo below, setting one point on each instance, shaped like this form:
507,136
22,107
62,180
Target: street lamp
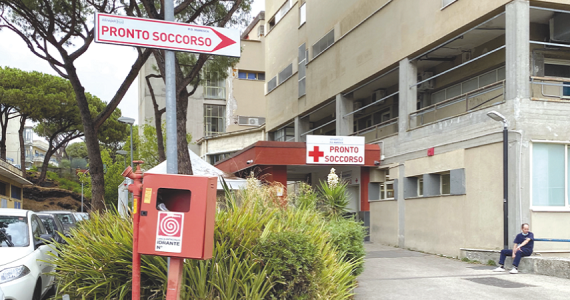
129,121
498,117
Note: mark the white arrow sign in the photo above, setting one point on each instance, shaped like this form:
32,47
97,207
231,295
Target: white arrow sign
138,32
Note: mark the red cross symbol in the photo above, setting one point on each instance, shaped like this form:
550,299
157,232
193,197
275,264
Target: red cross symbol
316,154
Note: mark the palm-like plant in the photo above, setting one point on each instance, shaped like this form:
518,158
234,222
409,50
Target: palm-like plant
334,196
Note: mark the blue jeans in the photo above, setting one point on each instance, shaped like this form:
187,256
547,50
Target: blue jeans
509,252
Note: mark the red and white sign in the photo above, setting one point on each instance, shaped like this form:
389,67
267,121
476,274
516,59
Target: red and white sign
139,32
169,232
335,150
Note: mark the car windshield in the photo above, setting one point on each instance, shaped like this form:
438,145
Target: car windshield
65,219
15,229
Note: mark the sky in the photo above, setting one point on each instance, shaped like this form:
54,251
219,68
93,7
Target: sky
101,69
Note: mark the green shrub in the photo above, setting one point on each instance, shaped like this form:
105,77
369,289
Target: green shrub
262,250
96,262
348,236
293,264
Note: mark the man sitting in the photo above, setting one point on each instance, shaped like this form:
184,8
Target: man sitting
524,243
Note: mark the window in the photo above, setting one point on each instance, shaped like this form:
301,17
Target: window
214,158
17,204
302,69
558,68
550,175
285,134
420,186
4,203
445,3
37,228
214,85
387,190
280,13
285,74
214,119
4,188
272,84
16,192
445,184
303,14
250,75
468,85
323,44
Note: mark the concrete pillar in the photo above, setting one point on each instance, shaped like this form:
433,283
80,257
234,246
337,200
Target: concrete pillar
301,126
517,60
399,194
364,181
344,125
408,95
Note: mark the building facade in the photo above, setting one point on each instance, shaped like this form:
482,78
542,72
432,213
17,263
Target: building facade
418,78
217,107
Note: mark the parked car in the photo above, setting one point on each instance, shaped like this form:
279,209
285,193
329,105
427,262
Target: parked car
81,216
66,217
24,250
1,294
54,227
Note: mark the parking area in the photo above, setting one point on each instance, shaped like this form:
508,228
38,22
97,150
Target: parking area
393,273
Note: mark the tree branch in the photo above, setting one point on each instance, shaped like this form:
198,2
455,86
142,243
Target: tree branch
139,63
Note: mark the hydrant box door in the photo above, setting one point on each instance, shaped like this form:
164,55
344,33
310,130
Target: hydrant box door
177,216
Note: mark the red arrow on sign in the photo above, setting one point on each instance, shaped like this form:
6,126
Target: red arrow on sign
225,41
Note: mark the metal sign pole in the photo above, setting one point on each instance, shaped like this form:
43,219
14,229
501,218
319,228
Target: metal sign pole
175,264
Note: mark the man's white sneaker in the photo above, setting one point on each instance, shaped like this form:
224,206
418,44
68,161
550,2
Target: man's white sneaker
514,271
499,269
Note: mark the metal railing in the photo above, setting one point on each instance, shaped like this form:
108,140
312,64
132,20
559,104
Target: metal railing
550,88
482,97
379,130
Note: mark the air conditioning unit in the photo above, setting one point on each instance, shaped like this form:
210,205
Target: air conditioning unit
378,94
253,121
357,105
560,28
260,30
428,85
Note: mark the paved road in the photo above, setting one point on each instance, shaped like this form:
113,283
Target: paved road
393,273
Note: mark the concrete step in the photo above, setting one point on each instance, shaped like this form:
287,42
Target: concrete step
551,266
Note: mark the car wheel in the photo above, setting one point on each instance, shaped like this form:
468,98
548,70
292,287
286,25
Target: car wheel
38,291
51,292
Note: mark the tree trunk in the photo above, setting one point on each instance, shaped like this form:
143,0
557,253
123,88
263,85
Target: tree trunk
4,123
45,165
184,163
23,119
91,141
157,120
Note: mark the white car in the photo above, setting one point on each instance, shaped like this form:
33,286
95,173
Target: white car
23,252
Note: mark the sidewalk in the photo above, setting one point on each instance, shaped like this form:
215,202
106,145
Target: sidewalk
393,273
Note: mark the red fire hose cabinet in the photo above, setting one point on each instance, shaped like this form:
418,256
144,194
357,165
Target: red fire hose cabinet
177,215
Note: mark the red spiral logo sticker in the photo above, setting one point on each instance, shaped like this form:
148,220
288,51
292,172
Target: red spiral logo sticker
169,225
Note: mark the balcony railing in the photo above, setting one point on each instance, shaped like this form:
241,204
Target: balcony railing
379,130
486,96
550,88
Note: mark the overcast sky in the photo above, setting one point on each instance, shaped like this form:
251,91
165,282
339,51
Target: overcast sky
101,69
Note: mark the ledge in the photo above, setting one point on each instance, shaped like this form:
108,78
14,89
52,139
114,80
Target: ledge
551,266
